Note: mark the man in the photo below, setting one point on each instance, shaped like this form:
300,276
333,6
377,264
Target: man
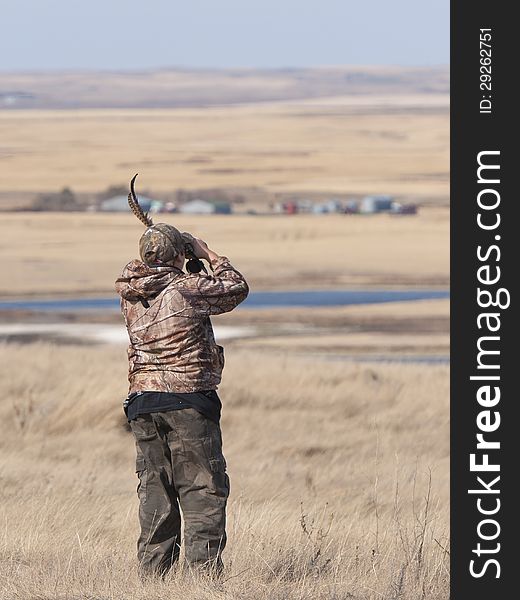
173,408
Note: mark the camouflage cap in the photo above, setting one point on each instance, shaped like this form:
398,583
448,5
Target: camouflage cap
160,244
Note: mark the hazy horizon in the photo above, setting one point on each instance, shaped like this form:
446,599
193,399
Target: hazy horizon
288,68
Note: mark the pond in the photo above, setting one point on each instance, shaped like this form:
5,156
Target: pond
256,300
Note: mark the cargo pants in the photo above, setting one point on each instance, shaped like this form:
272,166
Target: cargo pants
180,465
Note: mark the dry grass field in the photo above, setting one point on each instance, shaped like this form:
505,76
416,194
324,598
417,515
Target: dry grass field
81,254
339,476
359,144
339,469
394,330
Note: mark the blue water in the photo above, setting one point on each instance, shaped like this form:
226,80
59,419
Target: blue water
396,358
257,300
338,297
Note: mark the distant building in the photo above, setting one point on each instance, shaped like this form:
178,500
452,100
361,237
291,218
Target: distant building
329,206
15,98
204,207
120,204
376,204
197,207
157,206
223,208
305,206
319,209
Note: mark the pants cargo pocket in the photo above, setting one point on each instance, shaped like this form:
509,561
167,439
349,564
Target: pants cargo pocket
140,469
220,477
217,465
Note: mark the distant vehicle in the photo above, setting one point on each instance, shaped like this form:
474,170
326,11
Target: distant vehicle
290,208
351,207
404,209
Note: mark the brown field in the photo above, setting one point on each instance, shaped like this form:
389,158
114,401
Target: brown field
359,144
406,328
339,477
339,469
81,254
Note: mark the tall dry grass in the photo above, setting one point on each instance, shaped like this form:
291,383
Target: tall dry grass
339,476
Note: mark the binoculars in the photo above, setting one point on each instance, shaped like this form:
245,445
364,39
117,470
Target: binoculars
193,264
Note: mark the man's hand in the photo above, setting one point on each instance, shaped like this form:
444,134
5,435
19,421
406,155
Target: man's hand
200,248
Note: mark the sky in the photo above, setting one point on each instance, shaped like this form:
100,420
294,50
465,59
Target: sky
144,34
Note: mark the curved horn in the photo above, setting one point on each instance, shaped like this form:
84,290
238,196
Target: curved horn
136,208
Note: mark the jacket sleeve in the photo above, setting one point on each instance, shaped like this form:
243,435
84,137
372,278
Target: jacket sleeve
218,293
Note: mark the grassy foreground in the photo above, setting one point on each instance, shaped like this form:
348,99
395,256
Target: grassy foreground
339,476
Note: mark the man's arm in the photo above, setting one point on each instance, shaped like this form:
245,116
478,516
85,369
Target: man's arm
218,293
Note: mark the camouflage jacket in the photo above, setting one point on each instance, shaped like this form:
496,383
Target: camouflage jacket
167,315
